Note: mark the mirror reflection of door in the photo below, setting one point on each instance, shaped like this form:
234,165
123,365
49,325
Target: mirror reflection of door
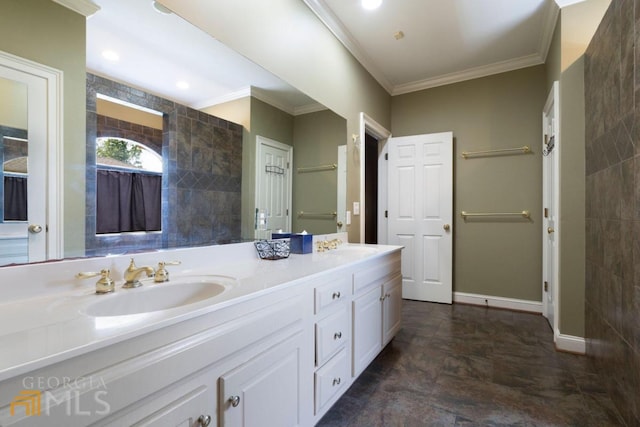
23,158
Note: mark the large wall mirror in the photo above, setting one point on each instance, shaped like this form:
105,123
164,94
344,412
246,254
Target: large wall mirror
206,142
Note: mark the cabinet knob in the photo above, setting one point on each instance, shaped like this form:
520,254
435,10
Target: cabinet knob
336,381
383,297
204,420
335,295
337,335
234,400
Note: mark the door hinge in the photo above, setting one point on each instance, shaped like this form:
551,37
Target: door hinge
386,214
546,212
546,139
287,212
546,286
386,156
287,165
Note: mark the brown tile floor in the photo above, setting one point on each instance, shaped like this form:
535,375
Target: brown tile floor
462,365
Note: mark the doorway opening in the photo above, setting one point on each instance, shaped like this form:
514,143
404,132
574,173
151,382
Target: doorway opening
373,178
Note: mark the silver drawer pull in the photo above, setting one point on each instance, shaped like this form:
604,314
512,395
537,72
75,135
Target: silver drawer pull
204,420
337,335
335,295
234,400
336,381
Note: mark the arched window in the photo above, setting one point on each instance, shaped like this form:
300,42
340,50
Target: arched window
129,186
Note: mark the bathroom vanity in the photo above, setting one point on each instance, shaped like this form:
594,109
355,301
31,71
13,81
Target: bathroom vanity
229,340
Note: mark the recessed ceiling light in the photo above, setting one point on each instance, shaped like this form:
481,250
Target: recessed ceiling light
110,55
371,4
182,85
160,8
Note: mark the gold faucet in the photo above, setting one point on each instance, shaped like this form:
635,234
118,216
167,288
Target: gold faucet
132,273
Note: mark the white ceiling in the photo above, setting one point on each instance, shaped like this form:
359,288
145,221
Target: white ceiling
444,41
157,50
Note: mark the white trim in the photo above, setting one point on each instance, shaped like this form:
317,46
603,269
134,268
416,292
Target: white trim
498,302
565,3
333,23
55,136
469,74
239,94
548,27
128,104
571,344
83,7
309,108
370,126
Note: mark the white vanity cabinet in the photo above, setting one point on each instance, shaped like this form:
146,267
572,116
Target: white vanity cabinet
332,331
279,355
377,299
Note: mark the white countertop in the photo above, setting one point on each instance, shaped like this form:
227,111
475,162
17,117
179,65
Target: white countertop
52,326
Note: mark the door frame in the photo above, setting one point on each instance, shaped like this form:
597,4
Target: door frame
260,142
375,129
553,101
54,192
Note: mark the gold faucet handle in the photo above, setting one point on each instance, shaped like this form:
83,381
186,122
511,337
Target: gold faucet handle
162,275
104,285
132,265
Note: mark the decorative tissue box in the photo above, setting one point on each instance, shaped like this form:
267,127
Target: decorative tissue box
301,243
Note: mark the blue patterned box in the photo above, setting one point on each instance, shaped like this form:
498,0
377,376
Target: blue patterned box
301,243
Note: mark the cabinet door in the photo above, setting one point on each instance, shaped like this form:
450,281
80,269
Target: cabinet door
367,328
391,308
265,391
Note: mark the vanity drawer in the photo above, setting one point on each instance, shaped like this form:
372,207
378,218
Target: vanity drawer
330,379
333,293
332,333
376,272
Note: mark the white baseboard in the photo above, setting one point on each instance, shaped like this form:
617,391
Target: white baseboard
498,302
571,344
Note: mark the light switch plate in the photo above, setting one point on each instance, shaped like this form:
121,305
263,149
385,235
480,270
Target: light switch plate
356,208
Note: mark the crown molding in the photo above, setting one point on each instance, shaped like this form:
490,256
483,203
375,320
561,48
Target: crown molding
83,7
565,3
331,21
548,27
309,108
242,93
264,96
471,73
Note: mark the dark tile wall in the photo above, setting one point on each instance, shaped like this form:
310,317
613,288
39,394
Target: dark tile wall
613,205
202,157
110,127
9,150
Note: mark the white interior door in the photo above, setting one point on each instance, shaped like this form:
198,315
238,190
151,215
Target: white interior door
550,200
273,187
420,197
25,240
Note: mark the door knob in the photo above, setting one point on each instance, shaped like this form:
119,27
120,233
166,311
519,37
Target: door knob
35,228
446,227
550,230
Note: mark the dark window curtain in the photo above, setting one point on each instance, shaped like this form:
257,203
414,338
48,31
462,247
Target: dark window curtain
15,198
127,202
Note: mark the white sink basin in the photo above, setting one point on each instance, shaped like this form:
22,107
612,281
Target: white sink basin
159,296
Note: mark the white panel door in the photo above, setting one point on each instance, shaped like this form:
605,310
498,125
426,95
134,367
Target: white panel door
273,187
29,237
420,209
551,204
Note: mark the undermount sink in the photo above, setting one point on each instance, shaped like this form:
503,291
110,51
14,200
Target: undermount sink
159,296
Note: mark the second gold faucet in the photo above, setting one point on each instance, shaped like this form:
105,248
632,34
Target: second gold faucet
132,273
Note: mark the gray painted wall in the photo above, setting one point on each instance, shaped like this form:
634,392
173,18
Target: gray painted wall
492,257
